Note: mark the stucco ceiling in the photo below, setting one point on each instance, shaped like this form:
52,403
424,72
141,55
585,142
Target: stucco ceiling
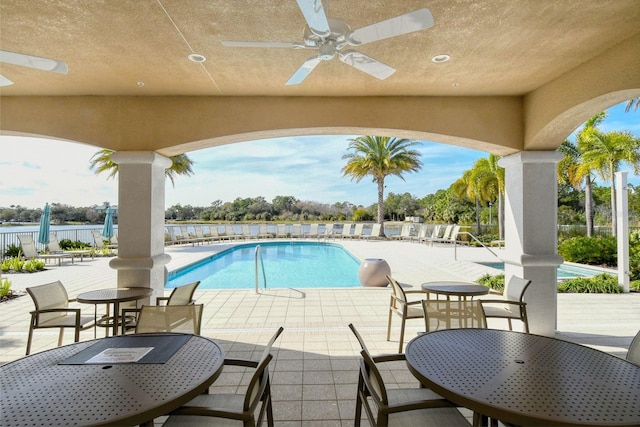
140,47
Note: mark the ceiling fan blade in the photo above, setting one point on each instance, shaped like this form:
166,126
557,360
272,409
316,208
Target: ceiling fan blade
315,16
367,64
5,81
403,24
262,44
31,61
304,71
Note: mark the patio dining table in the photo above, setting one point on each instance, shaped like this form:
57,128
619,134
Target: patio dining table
113,296
454,288
100,382
527,380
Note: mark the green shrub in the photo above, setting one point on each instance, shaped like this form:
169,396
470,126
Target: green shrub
16,264
67,244
13,251
493,282
602,283
635,285
634,255
29,267
33,265
5,288
590,250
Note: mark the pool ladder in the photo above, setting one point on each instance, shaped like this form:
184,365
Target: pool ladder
258,256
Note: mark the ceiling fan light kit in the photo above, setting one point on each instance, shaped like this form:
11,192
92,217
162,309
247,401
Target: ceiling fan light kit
329,36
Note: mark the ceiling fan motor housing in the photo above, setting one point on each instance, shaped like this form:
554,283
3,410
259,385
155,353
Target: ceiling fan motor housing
338,36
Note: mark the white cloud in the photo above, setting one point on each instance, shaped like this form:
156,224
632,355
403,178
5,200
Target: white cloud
35,171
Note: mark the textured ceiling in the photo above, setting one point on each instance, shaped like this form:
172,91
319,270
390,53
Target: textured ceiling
497,47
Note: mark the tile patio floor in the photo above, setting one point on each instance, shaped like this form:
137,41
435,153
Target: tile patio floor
314,373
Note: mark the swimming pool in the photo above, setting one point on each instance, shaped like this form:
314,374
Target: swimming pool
565,271
286,265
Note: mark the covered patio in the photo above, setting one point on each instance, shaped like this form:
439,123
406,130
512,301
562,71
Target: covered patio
520,76
314,372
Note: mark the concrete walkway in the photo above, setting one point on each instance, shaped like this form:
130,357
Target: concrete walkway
315,367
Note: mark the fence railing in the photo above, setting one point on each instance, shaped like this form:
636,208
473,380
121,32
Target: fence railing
83,234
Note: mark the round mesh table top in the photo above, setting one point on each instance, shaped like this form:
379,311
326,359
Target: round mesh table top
104,296
38,390
462,289
527,379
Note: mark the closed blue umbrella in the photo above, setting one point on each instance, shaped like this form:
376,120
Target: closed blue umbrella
45,218
107,230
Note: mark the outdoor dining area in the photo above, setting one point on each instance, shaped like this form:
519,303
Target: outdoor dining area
310,357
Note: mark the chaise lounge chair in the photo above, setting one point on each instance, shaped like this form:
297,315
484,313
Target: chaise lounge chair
99,241
296,230
205,238
435,232
374,234
173,238
281,231
346,231
190,237
29,251
445,238
357,231
405,232
263,232
328,230
423,231
313,231
54,248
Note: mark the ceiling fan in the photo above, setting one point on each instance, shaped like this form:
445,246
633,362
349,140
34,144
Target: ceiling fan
30,61
329,36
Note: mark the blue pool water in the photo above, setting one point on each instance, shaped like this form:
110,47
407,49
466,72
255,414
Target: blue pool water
286,265
565,271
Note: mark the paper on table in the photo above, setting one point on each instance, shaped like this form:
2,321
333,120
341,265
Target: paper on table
120,355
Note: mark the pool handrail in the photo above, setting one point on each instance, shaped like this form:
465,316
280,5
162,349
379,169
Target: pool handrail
455,247
258,254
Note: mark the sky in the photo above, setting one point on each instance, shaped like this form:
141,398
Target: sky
34,171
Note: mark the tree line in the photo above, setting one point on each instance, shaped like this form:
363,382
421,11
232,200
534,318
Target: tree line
443,206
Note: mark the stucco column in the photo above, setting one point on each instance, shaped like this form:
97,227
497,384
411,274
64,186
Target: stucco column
531,236
622,212
141,259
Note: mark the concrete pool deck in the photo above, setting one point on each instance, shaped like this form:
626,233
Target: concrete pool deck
315,367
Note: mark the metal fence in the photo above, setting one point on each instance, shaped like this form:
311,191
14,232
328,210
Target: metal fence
83,234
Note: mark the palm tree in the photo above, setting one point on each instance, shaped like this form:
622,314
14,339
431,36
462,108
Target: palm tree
605,153
466,187
572,171
584,170
632,103
489,181
101,162
380,156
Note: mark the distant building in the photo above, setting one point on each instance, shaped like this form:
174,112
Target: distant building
415,219
103,208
